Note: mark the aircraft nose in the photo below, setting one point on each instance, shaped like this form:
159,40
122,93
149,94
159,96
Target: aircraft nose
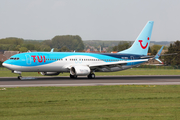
4,64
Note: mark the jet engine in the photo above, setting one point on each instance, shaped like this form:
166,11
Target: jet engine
80,70
49,73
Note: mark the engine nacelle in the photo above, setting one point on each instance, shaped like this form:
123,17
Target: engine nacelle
49,73
80,70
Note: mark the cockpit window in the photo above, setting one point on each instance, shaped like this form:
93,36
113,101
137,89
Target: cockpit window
12,58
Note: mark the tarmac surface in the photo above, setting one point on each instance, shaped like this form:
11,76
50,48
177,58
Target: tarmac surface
83,81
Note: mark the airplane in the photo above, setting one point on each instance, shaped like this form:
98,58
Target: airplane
83,64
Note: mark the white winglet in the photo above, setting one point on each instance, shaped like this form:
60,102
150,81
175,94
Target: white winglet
52,50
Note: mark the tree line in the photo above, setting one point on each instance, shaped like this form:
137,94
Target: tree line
60,43
173,60
66,43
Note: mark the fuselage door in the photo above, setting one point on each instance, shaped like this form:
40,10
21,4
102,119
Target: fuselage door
28,59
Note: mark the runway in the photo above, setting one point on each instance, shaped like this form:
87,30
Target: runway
83,81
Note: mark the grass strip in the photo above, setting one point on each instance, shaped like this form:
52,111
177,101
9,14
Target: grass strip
91,102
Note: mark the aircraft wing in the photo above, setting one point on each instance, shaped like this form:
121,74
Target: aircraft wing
143,57
110,65
169,54
107,65
158,54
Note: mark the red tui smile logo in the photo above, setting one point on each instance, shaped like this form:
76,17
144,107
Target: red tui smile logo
143,47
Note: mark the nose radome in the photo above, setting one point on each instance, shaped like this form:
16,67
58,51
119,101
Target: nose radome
4,64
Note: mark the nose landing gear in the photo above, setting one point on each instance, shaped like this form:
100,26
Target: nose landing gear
18,72
19,77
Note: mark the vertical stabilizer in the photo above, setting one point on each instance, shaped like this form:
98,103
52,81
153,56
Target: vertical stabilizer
141,44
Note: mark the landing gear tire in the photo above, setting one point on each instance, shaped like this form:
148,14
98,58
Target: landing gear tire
91,76
73,76
19,77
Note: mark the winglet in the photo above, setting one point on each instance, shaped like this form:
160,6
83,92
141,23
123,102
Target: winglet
52,50
158,55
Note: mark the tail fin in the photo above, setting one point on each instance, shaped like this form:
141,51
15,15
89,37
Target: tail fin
141,44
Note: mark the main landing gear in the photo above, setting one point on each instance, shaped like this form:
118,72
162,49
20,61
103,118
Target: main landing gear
90,76
73,76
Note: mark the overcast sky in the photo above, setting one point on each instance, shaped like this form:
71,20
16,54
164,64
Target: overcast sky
90,19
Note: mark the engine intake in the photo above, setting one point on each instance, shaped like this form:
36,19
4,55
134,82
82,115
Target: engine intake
80,70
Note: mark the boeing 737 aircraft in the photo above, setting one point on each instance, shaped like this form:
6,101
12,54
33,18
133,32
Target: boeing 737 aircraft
83,64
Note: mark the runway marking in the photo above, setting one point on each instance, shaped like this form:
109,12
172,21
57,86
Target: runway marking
92,84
